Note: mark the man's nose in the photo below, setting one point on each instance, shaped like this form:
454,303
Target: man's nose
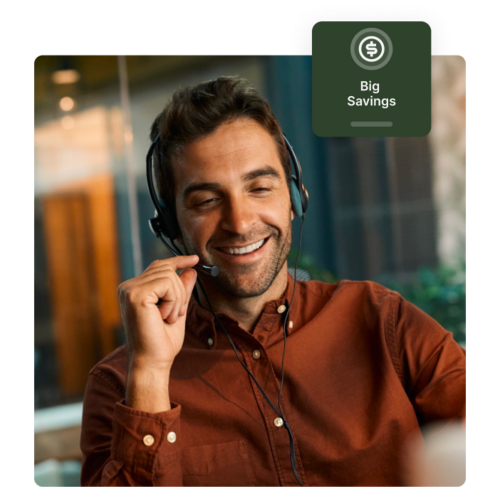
238,215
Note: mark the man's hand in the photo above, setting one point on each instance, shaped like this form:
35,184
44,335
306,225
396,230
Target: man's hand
155,333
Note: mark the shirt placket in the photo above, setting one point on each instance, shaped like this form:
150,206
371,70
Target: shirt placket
258,362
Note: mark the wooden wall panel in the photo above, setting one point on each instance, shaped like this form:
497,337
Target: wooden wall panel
82,254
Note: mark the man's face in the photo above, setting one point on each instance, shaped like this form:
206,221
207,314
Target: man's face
231,192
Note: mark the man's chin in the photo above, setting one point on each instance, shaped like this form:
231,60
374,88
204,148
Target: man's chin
238,291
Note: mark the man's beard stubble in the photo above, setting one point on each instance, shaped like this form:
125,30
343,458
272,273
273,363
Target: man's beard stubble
252,286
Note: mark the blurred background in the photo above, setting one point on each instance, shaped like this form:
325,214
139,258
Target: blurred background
390,210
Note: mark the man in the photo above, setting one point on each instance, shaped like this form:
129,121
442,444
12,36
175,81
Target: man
364,369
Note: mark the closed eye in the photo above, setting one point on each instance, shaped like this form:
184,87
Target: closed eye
206,202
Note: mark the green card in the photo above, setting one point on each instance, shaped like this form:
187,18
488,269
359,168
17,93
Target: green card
371,79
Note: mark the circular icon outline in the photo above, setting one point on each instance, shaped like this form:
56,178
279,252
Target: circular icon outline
361,51
390,48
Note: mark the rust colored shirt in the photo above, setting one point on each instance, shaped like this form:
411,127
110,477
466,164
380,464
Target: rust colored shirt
364,370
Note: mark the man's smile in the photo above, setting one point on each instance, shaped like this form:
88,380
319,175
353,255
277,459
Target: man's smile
243,254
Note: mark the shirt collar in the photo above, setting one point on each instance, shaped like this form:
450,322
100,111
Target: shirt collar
202,324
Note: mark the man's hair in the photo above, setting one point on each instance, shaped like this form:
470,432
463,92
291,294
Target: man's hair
197,111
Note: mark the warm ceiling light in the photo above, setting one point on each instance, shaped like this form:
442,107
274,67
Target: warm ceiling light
67,103
65,76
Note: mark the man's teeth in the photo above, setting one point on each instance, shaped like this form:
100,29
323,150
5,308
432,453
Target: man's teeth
243,250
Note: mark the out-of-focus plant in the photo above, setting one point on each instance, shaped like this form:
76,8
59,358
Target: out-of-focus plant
440,293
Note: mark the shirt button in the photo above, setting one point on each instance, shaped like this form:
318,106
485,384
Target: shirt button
148,440
290,325
256,354
171,437
210,342
281,309
278,422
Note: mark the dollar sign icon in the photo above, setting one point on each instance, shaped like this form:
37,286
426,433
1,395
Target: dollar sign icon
371,47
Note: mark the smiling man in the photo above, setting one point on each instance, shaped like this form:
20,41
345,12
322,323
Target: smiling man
364,369
234,206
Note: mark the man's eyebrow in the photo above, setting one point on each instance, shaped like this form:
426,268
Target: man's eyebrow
257,173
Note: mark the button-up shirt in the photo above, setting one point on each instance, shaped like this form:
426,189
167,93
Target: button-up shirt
364,370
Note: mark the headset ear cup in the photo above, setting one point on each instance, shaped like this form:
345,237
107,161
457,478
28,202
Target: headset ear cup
295,197
170,227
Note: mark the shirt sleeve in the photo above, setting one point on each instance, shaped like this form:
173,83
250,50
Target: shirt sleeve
124,446
431,364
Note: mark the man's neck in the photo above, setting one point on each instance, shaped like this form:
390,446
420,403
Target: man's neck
245,310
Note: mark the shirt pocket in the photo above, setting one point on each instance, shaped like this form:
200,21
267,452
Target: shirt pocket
219,464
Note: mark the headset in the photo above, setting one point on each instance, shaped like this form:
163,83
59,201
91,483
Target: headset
164,223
